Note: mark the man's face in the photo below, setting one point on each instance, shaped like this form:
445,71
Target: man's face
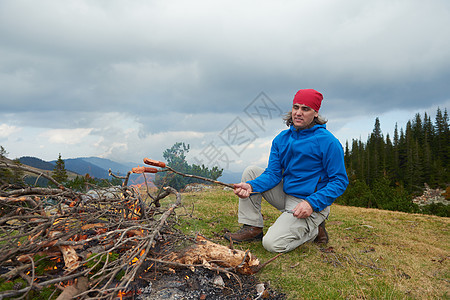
303,115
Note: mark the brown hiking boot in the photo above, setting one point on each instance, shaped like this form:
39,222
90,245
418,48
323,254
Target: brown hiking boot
322,237
246,233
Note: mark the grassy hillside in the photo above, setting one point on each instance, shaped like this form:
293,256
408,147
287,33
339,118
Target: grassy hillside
372,254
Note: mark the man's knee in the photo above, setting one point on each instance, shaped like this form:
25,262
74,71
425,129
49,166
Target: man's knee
251,172
269,245
276,240
274,244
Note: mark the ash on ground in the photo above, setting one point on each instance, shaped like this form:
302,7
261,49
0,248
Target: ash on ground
205,284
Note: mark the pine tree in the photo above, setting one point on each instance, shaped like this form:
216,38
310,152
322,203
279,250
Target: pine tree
446,142
395,159
396,137
409,156
353,164
390,169
18,174
5,173
3,152
347,156
417,128
441,145
10,175
440,133
428,127
375,155
59,172
402,156
361,161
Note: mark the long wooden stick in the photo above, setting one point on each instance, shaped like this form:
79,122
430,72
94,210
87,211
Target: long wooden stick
167,168
197,177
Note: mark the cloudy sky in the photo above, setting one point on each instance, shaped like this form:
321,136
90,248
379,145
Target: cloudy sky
125,80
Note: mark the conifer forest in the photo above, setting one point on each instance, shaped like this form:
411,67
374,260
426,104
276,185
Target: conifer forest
388,172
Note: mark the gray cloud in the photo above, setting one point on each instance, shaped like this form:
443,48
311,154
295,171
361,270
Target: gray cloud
139,71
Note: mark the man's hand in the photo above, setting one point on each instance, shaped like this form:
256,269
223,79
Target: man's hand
242,190
302,210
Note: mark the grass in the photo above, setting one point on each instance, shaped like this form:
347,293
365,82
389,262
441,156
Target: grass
372,254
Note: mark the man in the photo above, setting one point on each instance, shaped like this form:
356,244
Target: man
304,176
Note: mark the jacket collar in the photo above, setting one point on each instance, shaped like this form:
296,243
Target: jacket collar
309,130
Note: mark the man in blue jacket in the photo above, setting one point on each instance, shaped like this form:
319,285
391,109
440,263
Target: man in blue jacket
304,176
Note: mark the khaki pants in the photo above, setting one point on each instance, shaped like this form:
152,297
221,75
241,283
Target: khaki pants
288,232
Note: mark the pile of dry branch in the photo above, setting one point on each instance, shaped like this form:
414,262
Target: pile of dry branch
65,244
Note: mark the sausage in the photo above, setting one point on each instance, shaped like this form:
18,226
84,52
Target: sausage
144,170
153,162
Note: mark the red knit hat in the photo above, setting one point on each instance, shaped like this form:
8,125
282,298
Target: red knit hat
309,97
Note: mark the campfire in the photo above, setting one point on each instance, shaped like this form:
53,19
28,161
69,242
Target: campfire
116,243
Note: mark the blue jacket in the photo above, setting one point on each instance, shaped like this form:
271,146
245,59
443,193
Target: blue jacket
311,164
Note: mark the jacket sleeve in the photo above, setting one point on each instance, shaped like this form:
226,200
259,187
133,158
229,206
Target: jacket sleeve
272,175
334,167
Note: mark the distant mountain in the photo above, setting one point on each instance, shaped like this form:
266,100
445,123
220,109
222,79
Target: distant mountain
120,169
41,166
94,166
37,163
82,167
106,164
